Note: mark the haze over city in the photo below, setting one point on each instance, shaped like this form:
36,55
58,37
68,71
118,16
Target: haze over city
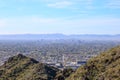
59,16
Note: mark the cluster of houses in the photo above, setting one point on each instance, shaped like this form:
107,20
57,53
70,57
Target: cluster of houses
66,60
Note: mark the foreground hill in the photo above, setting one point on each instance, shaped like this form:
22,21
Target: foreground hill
106,66
23,68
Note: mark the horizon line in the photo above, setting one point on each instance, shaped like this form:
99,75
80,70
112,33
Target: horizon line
53,34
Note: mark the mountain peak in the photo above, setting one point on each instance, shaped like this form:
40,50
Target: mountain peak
16,58
21,56
20,67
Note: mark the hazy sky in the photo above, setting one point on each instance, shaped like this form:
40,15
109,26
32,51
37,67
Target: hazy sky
60,16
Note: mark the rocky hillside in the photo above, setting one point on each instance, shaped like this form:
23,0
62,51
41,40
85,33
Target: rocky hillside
23,68
106,66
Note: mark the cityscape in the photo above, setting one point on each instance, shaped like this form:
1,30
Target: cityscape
63,61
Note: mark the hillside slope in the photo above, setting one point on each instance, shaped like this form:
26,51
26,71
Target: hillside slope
106,66
23,68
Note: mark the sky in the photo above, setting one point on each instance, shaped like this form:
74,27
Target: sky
60,16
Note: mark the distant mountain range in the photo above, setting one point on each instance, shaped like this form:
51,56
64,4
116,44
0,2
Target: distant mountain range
59,36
